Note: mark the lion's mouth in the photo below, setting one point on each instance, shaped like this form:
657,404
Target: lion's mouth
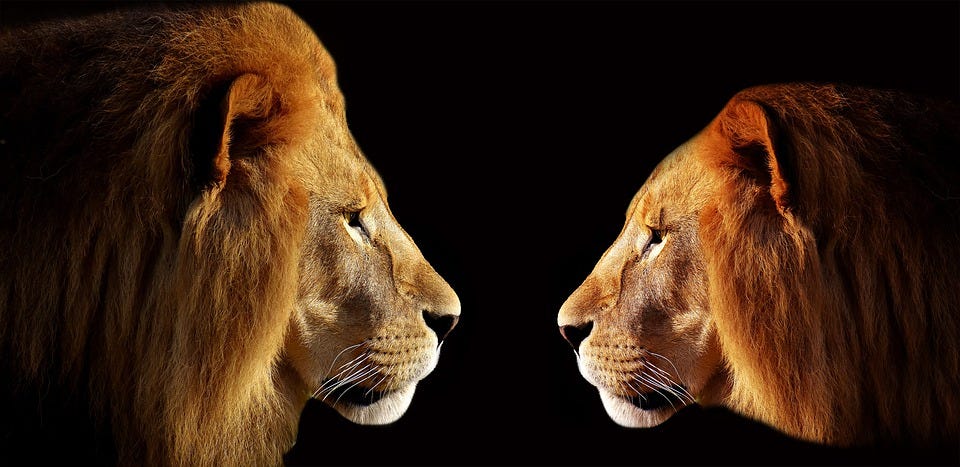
656,400
351,394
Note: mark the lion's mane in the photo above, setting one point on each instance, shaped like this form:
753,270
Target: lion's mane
833,266
131,277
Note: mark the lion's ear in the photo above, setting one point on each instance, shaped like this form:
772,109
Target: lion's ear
755,147
231,123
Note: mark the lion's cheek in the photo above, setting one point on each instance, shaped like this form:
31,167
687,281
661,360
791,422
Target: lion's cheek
716,389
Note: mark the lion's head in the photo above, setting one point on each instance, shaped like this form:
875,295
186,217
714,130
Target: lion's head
219,248
371,313
641,321
793,262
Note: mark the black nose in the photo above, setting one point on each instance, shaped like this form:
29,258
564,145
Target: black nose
576,334
441,324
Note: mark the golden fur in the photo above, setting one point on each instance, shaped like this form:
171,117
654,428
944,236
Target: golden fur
802,271
192,243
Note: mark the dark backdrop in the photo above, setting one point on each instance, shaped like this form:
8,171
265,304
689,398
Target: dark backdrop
511,137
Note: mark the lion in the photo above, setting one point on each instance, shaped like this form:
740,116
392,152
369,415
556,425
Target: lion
193,244
794,262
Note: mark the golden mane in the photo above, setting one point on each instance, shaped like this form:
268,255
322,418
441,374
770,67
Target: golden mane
837,305
165,306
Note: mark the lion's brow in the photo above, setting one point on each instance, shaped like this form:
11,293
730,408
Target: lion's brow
634,203
377,182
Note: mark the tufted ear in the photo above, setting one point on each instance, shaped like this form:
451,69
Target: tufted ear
758,147
231,122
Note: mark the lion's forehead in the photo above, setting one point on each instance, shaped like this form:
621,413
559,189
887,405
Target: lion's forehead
678,186
340,177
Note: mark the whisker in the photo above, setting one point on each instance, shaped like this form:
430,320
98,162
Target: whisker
339,376
660,376
370,374
344,374
353,374
637,390
342,382
372,388
354,364
657,369
355,361
672,386
334,362
664,382
338,357
371,371
666,375
685,393
677,372
656,387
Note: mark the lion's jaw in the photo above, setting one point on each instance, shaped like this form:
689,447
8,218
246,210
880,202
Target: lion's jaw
371,406
373,382
368,375
623,410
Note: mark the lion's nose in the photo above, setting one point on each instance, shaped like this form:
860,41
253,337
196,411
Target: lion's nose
441,324
576,334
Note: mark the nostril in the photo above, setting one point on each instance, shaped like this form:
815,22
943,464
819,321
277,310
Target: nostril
440,324
576,334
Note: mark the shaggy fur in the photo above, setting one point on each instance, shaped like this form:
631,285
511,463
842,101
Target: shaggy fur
161,172
806,274
837,306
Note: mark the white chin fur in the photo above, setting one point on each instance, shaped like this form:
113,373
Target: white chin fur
386,410
620,410
626,414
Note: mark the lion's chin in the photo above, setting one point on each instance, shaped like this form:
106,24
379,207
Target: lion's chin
388,408
378,405
622,411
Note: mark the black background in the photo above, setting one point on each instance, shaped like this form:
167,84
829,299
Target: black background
511,137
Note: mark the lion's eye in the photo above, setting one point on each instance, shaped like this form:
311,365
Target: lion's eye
655,239
353,220
656,236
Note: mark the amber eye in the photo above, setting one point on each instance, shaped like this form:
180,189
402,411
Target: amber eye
656,236
353,220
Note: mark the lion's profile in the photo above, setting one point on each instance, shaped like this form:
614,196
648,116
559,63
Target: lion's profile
796,261
192,243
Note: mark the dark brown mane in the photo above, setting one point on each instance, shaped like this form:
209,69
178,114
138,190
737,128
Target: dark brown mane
837,304
121,280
